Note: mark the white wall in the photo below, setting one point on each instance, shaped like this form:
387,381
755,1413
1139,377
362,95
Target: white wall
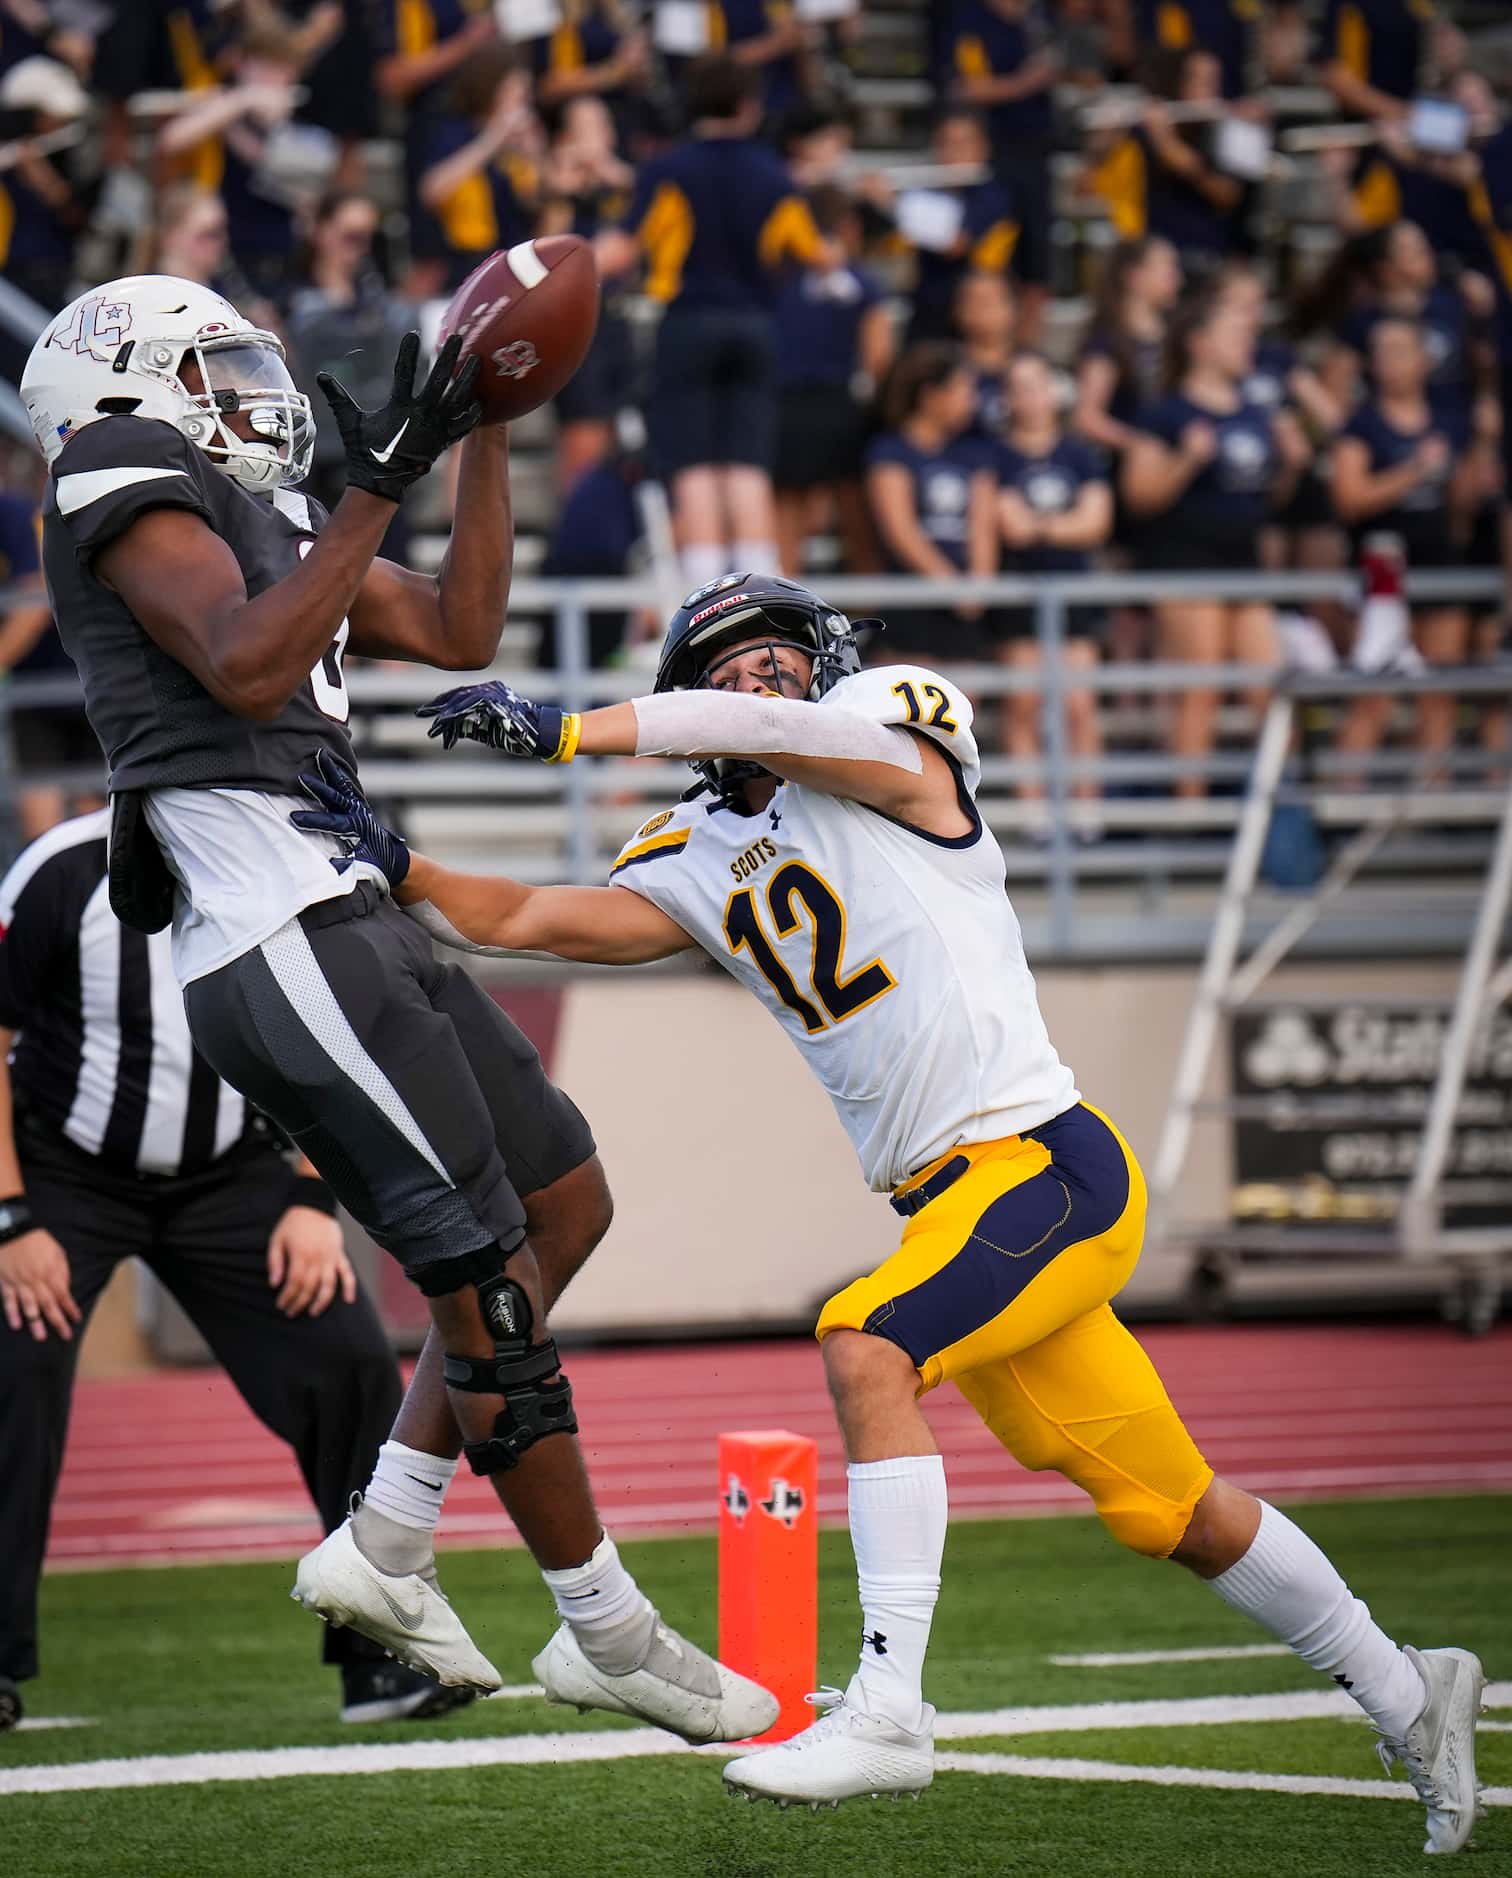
738,1198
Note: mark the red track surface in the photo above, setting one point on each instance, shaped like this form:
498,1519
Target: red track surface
174,1468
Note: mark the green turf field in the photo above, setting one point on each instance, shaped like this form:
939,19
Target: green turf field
170,1663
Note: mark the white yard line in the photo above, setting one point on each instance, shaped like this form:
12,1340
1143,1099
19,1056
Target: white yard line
514,1692
39,1722
534,1750
1120,1659
1203,1711
1030,1767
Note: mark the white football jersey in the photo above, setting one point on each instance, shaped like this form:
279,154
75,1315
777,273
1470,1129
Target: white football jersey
891,957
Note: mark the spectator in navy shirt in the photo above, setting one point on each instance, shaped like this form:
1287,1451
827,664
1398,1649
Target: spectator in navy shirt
422,45
933,498
1306,533
1054,509
1391,270
1405,466
1225,29
229,130
984,324
1204,473
481,166
772,38
1372,53
595,51
1123,355
1396,181
598,536
587,186
1401,279
985,237
1004,60
1162,178
834,346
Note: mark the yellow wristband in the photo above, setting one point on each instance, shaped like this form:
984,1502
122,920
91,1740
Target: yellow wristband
567,743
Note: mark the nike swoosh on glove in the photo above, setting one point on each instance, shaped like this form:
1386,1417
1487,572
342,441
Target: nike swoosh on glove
498,715
389,449
345,812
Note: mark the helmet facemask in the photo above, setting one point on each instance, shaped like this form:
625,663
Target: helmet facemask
244,372
823,637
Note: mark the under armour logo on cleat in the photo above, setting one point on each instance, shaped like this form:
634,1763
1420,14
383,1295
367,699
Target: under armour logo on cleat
877,1640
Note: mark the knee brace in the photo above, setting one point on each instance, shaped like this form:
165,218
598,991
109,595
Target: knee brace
537,1400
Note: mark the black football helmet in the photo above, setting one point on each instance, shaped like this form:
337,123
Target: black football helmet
735,610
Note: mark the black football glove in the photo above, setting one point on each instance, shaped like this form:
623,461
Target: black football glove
497,714
389,449
345,812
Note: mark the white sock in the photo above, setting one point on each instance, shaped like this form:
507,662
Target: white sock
408,1486
898,1515
757,557
598,1598
703,561
1287,1584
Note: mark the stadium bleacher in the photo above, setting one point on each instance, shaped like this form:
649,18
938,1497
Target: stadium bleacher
89,107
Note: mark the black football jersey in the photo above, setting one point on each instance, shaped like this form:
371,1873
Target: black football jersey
158,725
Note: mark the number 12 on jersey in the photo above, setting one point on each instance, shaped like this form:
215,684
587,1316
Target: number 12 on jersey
839,996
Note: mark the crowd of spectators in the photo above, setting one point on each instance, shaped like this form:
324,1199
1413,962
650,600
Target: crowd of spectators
834,359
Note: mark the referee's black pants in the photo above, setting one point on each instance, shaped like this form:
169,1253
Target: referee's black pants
327,1385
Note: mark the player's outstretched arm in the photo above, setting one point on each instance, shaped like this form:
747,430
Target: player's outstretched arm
842,752
589,925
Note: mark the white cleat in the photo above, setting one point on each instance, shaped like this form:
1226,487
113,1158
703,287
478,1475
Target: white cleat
1438,1750
404,1613
676,1686
845,1754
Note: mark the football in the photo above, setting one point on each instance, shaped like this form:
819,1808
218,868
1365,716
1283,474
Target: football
529,312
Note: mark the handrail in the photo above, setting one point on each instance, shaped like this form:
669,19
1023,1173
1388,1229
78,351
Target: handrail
575,807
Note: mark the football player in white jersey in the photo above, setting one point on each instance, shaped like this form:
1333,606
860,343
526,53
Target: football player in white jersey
834,861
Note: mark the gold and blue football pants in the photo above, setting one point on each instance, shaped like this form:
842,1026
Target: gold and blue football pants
1002,1285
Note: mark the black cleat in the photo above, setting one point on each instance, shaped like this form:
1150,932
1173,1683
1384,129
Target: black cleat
380,1692
11,1709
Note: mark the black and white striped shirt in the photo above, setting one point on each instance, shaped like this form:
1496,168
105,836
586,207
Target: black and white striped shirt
103,1052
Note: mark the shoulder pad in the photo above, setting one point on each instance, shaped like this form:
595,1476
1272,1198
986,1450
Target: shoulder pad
918,699
116,470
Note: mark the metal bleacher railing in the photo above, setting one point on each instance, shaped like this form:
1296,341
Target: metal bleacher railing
1147,887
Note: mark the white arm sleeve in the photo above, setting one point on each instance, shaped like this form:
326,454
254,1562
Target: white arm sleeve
730,723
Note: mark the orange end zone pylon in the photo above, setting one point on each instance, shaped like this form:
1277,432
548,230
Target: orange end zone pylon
769,1566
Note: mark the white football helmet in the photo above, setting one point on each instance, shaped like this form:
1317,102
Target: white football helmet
122,349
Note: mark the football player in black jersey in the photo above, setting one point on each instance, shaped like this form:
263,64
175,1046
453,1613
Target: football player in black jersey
208,605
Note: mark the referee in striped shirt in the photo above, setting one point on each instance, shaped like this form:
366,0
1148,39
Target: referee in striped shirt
117,1138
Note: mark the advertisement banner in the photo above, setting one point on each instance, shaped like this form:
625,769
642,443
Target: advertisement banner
1332,1107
